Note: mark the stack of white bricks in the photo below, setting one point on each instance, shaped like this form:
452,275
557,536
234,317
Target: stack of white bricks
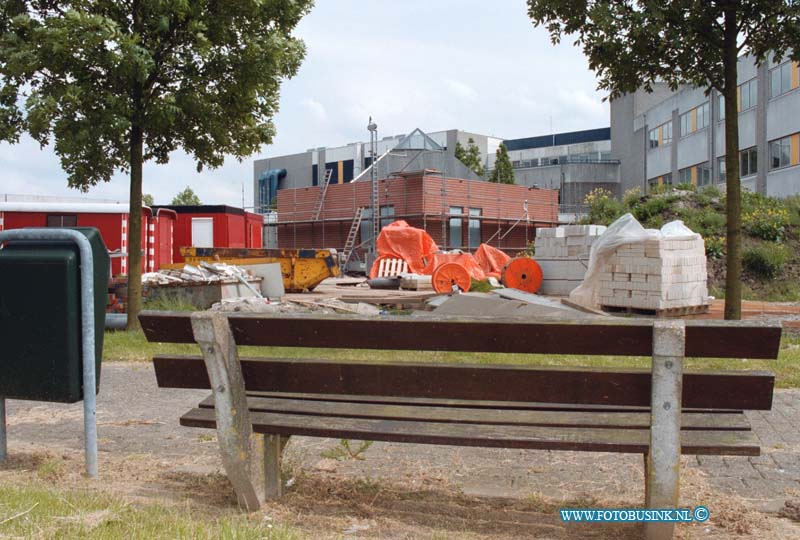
563,254
655,275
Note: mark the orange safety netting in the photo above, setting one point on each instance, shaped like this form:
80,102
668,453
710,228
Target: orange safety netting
491,260
402,241
416,247
464,259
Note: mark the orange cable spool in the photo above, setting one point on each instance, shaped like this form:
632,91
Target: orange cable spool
522,273
450,275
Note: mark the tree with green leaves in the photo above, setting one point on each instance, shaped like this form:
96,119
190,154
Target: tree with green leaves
114,84
147,199
471,156
187,197
503,171
634,44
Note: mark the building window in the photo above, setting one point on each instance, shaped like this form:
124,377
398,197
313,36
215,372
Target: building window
454,240
653,182
667,179
721,106
366,225
685,175
721,166
697,118
666,133
780,79
748,95
387,215
652,138
474,230
703,115
515,164
686,123
703,174
780,153
748,161
62,220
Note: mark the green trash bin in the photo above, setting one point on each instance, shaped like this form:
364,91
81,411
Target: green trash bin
40,317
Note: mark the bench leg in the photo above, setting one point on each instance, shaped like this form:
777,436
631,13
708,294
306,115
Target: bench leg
663,460
242,450
273,451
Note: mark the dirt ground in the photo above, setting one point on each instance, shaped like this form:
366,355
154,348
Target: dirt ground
397,491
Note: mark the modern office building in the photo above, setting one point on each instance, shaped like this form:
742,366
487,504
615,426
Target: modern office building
574,163
667,137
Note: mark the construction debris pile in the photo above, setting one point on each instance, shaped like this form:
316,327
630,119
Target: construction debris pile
634,267
206,273
563,254
322,306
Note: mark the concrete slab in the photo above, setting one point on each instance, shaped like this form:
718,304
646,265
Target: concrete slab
466,305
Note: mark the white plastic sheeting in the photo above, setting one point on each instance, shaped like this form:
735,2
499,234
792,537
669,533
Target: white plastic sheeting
625,230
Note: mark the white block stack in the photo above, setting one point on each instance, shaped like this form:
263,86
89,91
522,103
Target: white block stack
655,275
563,253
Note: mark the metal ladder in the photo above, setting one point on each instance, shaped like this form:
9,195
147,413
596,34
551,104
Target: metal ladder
351,240
322,190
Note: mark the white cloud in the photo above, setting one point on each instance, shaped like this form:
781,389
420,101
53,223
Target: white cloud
316,108
462,90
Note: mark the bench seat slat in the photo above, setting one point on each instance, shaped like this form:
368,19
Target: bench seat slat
476,404
592,386
482,435
411,412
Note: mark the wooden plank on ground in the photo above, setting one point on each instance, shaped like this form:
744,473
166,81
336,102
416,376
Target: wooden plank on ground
742,443
594,386
606,336
411,412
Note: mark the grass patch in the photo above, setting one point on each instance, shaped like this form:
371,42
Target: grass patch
132,346
38,512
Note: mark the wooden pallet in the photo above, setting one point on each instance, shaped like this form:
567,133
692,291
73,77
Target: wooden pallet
658,313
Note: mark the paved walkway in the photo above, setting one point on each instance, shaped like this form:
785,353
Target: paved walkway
137,418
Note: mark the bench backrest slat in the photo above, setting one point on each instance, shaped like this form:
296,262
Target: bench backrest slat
606,386
707,339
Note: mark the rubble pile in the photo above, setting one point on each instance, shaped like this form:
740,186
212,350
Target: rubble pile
197,274
322,306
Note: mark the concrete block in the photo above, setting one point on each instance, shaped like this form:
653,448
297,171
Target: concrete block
562,269
559,287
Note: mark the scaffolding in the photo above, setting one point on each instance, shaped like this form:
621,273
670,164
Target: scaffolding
502,215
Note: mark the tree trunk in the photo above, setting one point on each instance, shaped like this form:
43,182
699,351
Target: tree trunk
733,263
135,230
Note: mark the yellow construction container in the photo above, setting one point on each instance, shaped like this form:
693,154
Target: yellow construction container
302,269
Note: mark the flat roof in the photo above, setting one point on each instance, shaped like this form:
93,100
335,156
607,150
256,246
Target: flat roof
559,139
201,209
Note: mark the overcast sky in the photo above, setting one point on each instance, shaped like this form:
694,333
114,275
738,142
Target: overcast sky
434,64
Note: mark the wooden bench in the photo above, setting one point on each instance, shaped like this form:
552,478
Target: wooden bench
258,403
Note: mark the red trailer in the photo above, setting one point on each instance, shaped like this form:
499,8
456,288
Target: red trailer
213,226
111,219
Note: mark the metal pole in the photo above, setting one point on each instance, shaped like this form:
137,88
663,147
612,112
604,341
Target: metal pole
87,324
3,444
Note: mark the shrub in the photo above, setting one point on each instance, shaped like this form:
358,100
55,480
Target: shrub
766,260
604,208
649,208
685,186
766,222
715,247
707,222
631,197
